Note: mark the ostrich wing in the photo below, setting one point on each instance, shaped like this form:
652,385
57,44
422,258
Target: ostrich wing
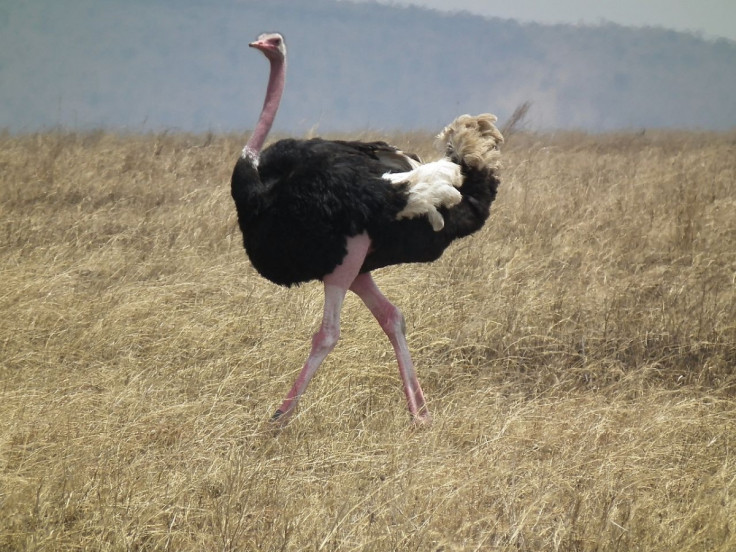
392,158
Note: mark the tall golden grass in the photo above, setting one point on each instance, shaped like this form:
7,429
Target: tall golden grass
578,356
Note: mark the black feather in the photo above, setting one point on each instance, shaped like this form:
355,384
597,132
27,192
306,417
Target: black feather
306,197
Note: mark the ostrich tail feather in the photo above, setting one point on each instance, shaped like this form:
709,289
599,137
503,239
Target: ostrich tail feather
472,141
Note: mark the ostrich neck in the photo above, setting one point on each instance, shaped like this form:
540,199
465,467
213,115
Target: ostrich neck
274,91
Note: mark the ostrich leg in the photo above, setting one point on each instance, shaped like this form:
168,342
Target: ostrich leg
392,322
336,286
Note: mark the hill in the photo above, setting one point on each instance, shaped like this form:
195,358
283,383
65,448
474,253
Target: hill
185,65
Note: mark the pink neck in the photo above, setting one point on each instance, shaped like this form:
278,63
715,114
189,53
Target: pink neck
274,91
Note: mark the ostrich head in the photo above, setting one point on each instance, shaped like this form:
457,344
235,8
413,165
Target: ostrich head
272,45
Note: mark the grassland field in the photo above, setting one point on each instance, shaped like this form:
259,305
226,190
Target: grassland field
578,355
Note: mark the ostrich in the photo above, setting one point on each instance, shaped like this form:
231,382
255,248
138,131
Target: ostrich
334,210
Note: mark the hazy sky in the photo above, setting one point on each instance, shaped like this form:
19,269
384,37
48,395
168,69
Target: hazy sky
712,18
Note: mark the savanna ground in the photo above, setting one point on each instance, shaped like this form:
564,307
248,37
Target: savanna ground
578,355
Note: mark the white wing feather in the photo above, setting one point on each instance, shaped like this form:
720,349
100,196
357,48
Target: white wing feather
431,186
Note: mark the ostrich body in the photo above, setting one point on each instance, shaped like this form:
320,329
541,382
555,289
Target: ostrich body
336,210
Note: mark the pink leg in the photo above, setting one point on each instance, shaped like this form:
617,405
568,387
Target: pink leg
392,322
336,286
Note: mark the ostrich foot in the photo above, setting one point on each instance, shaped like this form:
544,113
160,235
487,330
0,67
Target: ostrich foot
421,419
280,418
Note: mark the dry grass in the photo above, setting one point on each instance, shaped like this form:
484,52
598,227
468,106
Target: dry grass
578,355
